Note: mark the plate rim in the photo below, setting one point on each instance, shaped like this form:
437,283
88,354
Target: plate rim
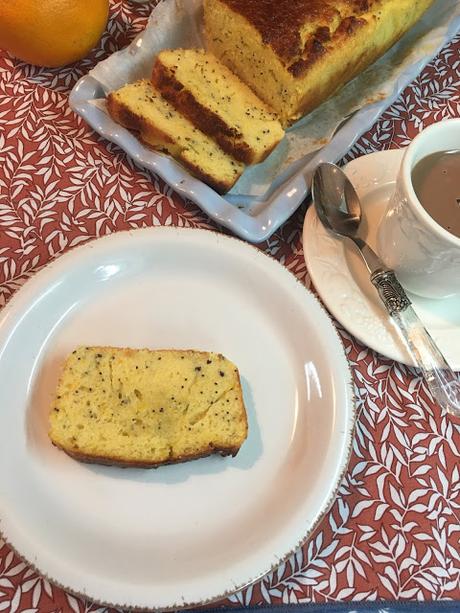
349,400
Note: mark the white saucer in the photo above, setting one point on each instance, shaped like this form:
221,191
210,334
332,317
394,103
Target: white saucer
342,280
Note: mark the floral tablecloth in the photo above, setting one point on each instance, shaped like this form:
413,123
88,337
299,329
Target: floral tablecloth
393,532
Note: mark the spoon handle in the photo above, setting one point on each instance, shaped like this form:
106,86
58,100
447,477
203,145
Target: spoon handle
442,381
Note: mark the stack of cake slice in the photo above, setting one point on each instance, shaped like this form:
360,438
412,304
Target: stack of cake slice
197,110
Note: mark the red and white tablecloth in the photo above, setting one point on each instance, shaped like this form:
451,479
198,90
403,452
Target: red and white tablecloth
393,532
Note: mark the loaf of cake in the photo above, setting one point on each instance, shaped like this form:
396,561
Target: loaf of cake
145,408
294,54
140,107
217,102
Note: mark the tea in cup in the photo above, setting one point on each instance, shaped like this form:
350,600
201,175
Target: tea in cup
419,235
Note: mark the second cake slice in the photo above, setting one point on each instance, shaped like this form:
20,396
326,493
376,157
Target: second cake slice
140,107
218,103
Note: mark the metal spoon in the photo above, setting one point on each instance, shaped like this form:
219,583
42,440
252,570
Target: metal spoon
339,209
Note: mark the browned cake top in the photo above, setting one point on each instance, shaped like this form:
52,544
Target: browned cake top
280,23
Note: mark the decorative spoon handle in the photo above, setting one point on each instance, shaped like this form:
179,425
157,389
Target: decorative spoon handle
442,381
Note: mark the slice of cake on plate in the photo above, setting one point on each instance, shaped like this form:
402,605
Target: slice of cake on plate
140,407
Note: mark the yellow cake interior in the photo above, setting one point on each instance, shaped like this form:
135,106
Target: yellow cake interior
141,406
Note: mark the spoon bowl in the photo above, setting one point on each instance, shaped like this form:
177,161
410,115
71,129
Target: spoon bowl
336,201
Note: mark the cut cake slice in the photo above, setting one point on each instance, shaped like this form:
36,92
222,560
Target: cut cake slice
144,408
215,100
139,106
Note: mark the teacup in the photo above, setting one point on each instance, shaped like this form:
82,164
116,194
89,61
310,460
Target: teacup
424,255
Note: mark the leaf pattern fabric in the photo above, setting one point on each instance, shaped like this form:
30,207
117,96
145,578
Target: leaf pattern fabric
393,531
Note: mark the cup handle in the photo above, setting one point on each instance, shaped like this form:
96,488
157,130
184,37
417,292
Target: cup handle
443,383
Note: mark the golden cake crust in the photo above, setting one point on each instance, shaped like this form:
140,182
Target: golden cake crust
112,461
297,53
296,30
279,22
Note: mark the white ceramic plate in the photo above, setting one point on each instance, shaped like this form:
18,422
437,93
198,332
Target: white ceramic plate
342,280
189,533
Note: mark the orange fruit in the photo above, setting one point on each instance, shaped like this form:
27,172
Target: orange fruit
51,32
